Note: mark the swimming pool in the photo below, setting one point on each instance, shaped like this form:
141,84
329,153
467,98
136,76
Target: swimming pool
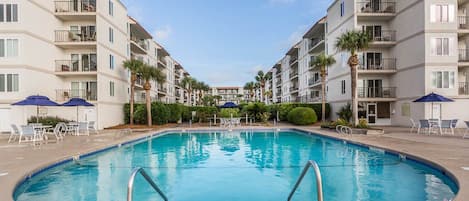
240,165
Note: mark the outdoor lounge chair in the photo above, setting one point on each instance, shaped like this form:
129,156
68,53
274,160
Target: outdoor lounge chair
83,128
91,127
446,127
414,125
466,134
14,133
28,134
424,125
58,131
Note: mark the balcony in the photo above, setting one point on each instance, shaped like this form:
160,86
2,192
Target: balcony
73,67
464,88
75,10
316,44
139,83
162,62
293,60
378,66
162,90
376,9
75,39
293,90
293,75
138,46
66,94
377,92
383,38
313,82
463,57
463,22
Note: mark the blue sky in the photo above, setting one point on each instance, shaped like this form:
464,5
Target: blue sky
225,42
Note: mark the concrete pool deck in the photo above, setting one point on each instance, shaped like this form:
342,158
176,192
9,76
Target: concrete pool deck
18,161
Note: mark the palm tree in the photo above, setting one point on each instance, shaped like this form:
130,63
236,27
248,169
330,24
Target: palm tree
322,61
268,94
353,42
257,88
262,78
133,66
150,73
188,84
217,98
250,86
202,88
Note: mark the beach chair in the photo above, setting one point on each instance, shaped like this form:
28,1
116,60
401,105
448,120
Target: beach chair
15,132
446,127
424,126
91,127
414,125
83,128
27,134
466,134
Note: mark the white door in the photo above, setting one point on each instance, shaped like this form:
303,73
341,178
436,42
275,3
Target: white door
5,120
371,110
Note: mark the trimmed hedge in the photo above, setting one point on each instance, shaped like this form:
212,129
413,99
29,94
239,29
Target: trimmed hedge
285,108
49,120
302,116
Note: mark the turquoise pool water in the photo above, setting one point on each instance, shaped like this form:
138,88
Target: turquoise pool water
239,166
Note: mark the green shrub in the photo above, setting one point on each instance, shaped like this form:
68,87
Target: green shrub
140,114
175,112
257,110
160,113
229,112
52,121
302,116
341,122
362,123
345,112
285,108
202,113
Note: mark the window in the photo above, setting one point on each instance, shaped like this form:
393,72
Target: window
442,13
9,82
111,8
111,62
342,8
441,46
443,79
8,12
342,87
111,88
8,48
111,35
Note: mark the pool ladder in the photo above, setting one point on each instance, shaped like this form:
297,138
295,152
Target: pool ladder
150,181
315,166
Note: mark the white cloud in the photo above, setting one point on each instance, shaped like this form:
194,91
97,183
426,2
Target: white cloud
296,35
162,33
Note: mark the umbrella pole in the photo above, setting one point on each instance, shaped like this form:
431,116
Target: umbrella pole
432,110
77,113
37,113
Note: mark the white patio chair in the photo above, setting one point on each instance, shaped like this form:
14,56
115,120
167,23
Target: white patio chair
72,128
91,127
466,134
58,131
15,132
28,134
83,128
424,125
414,125
446,127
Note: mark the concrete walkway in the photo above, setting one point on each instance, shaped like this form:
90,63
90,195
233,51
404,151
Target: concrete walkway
18,161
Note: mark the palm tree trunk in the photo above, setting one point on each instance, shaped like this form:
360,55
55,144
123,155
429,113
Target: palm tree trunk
353,72
323,96
148,103
132,100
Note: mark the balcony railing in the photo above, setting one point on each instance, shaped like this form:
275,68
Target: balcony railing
383,36
293,89
463,55
464,88
66,94
313,81
140,81
74,36
293,74
377,92
315,41
162,60
139,42
77,6
463,22
74,66
380,64
293,60
374,6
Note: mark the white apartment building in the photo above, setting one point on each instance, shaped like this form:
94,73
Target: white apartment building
65,49
229,94
417,47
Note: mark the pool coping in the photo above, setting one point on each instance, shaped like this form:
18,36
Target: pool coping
151,134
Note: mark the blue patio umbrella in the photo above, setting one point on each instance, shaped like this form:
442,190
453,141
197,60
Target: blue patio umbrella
37,101
229,105
77,102
433,97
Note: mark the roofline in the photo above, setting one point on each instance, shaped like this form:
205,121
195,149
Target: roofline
315,24
138,24
330,6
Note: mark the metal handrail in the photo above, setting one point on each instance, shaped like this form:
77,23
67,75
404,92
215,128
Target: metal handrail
315,166
130,185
